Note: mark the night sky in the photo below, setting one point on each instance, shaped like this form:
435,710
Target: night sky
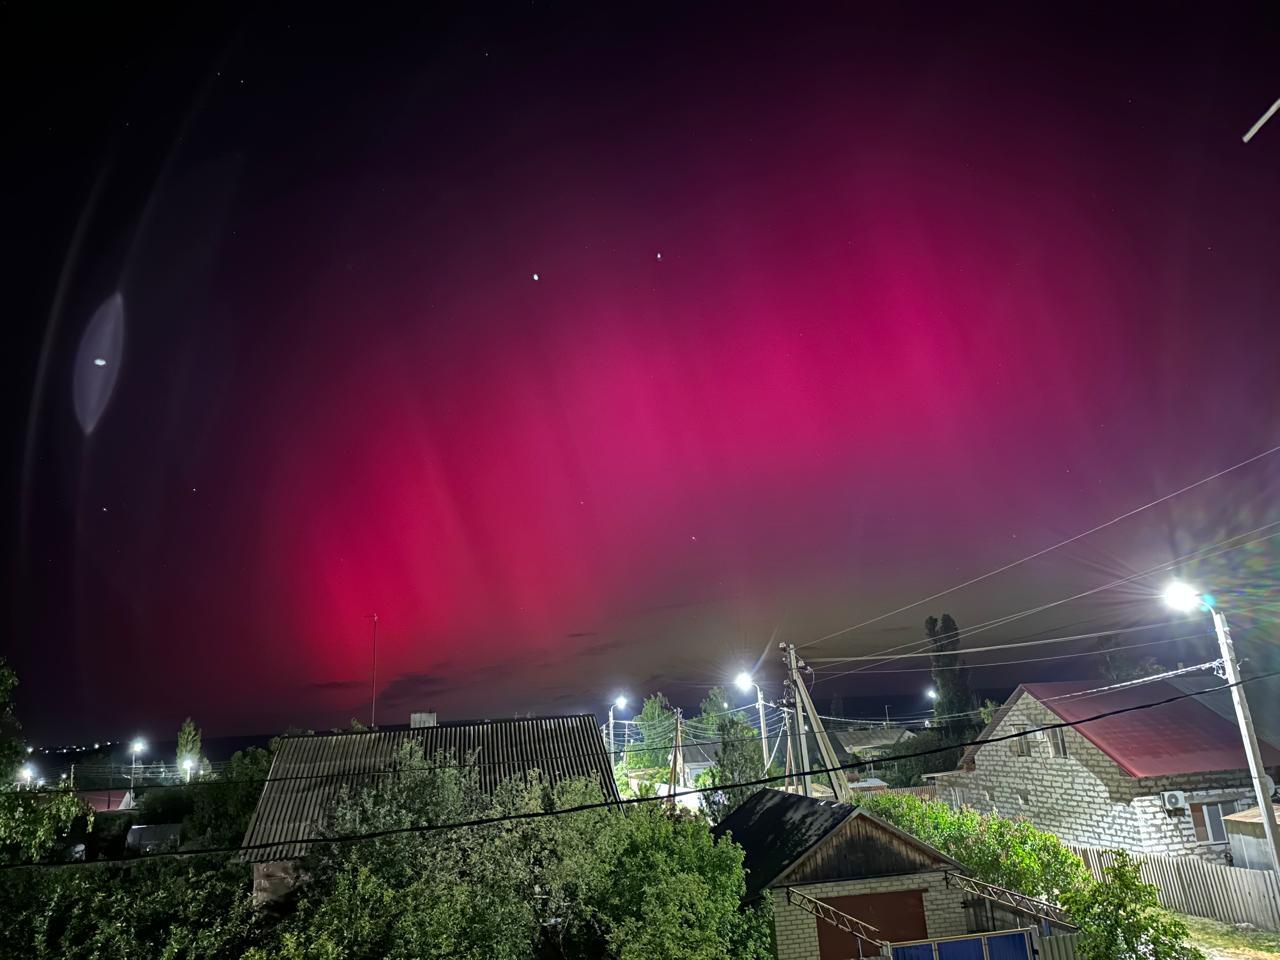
593,348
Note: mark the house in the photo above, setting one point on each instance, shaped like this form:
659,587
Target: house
870,744
1249,847
1153,780
848,859
309,772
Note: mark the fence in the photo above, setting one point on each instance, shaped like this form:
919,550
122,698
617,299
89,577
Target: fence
1059,947
1202,889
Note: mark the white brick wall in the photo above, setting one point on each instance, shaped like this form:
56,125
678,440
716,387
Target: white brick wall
796,930
1084,798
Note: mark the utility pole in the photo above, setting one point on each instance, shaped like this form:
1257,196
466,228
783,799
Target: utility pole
677,763
789,769
802,739
764,737
1257,770
804,706
373,676
886,715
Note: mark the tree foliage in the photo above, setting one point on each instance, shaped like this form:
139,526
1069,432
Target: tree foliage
31,822
950,678
604,884
1117,666
738,760
1009,853
657,724
221,806
188,744
1120,917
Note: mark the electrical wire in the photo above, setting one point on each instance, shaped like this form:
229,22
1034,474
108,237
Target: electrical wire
1040,553
1030,611
420,829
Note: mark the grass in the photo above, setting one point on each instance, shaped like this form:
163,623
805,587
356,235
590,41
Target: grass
1225,941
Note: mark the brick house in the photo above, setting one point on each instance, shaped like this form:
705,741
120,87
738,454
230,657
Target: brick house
1156,780
848,859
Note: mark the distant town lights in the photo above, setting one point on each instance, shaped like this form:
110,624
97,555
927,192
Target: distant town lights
1182,597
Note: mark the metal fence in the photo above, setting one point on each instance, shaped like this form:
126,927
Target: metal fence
1062,946
1202,889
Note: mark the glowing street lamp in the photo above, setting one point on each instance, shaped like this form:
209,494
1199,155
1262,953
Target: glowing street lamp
1185,598
187,764
138,746
619,703
27,773
744,682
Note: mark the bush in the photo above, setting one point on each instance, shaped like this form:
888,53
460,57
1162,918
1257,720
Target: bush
1121,917
1008,853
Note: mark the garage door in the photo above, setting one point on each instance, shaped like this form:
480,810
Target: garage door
898,916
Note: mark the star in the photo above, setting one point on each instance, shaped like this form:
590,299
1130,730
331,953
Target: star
99,362
659,255
536,277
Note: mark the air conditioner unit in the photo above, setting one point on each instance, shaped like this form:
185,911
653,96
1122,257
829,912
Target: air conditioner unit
1174,800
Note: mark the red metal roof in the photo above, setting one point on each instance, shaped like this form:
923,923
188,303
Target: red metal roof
1180,737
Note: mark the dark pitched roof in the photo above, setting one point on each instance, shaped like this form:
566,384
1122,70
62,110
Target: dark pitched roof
308,772
1174,738
775,829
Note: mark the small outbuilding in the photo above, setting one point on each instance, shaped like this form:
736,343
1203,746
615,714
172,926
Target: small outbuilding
807,850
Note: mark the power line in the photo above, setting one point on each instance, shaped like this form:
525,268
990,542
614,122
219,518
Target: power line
635,801
1197,554
1005,663
1040,553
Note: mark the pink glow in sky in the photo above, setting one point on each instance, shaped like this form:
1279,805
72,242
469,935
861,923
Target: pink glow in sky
913,317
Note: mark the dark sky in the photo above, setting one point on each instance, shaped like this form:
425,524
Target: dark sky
593,347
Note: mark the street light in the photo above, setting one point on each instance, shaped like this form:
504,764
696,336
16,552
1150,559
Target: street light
744,682
138,746
187,764
619,703
1185,598
27,773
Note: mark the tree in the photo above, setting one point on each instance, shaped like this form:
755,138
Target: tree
950,678
988,711
221,806
1117,666
738,760
713,707
32,822
1120,917
910,771
656,722
188,745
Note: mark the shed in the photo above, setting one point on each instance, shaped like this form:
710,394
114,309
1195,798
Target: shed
1248,840
309,771
848,859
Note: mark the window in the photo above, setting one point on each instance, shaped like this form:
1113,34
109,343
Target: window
1207,819
1058,742
1020,745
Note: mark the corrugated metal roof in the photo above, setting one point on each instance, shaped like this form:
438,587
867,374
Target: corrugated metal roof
308,772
